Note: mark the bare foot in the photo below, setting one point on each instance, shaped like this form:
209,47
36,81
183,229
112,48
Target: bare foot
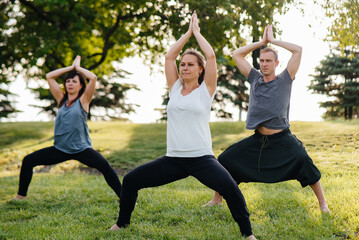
325,209
19,197
217,200
212,203
252,237
114,228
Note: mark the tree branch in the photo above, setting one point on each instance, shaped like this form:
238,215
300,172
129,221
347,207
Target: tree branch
108,36
57,60
40,12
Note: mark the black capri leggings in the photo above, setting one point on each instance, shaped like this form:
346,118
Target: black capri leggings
169,169
51,155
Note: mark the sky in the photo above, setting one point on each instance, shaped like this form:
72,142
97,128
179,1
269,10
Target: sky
306,31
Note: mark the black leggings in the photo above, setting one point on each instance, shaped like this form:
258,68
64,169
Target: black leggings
51,155
169,169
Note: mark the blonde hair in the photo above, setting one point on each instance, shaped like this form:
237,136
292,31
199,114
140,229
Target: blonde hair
268,49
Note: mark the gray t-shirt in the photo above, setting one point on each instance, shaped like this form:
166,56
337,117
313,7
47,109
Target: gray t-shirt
269,101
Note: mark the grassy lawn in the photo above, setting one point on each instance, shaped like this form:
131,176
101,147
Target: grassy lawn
70,201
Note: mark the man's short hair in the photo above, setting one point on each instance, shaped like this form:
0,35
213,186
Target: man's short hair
268,49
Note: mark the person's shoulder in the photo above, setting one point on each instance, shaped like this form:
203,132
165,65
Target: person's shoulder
204,89
175,87
177,84
254,74
203,84
284,75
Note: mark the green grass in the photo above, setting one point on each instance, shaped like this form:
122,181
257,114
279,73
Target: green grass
66,202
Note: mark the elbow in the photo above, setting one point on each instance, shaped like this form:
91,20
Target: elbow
211,55
93,78
48,77
237,53
168,57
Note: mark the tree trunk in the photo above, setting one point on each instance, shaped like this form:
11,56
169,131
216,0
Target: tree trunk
240,115
89,114
255,54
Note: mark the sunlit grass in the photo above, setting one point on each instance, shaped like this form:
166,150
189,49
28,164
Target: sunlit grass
66,203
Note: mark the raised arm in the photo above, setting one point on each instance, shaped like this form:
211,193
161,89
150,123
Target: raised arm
240,54
90,87
294,61
210,74
171,71
54,86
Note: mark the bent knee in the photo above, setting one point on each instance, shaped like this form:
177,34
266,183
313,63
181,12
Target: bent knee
103,167
129,180
28,160
227,186
223,160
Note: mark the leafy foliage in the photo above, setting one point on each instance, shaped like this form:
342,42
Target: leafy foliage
338,77
231,88
6,107
345,27
40,36
227,25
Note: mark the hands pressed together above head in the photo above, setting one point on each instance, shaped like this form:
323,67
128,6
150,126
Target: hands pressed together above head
268,34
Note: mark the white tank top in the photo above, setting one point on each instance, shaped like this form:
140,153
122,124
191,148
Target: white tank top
188,132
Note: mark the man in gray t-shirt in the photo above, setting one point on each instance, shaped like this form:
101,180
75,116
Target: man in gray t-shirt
269,101
273,154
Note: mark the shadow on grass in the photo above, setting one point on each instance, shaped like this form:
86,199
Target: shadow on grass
11,132
148,142
225,134
39,142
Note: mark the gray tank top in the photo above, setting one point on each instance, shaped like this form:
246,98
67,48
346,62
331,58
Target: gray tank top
71,130
269,101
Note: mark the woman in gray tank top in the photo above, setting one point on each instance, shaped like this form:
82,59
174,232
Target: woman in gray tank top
71,138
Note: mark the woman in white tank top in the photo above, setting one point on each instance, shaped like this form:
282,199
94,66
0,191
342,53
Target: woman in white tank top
189,146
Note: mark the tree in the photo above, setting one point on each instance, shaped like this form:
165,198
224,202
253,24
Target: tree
6,106
227,25
345,27
232,88
338,78
337,75
40,36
